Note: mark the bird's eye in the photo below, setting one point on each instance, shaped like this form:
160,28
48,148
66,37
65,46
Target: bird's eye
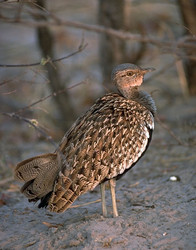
130,74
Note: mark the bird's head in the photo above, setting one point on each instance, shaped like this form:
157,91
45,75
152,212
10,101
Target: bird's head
128,76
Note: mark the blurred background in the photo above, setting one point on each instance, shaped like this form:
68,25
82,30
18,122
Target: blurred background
38,103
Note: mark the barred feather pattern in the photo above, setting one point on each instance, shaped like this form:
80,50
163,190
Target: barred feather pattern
103,144
39,174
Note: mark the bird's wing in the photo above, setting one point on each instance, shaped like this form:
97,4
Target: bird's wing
106,141
102,144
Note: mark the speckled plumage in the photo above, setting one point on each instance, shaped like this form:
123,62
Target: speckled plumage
101,145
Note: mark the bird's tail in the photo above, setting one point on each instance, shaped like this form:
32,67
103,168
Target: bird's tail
39,174
46,181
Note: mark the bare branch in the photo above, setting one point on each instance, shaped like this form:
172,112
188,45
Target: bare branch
7,180
48,96
44,61
181,43
163,125
160,71
6,82
33,123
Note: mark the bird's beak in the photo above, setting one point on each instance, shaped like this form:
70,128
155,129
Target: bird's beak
146,70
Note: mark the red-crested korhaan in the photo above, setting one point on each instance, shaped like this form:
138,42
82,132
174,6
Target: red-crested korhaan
101,146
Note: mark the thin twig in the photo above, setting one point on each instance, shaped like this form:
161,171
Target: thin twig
180,159
121,34
33,123
46,60
5,82
5,181
48,96
163,125
183,42
85,204
160,71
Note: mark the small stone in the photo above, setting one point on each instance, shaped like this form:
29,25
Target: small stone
174,178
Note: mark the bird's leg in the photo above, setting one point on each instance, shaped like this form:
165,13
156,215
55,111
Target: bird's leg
113,195
103,202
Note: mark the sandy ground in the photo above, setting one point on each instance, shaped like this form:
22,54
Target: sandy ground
155,212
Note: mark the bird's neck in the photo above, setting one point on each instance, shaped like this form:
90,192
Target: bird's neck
141,97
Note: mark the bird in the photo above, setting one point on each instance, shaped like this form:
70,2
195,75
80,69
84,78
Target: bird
102,145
